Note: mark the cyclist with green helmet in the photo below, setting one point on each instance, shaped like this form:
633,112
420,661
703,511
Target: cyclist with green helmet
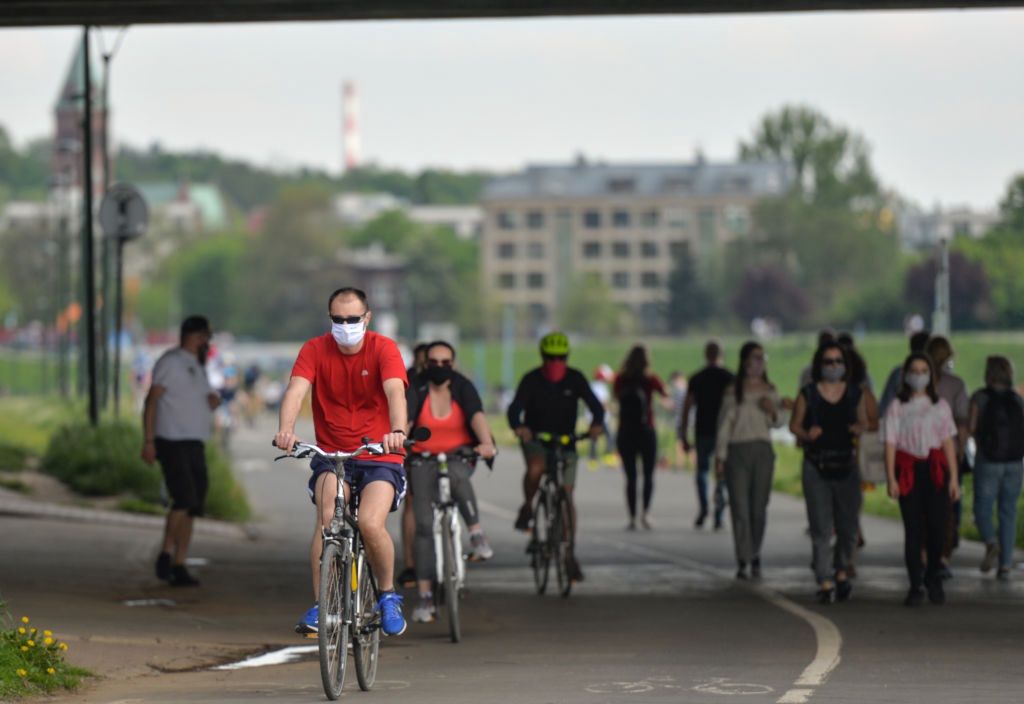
547,401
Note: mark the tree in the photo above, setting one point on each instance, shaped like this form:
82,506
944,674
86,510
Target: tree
831,163
770,292
588,307
969,299
1011,208
689,301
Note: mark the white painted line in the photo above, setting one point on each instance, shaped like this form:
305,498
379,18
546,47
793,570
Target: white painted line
149,602
274,657
795,696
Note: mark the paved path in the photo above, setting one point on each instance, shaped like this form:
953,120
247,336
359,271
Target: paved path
659,618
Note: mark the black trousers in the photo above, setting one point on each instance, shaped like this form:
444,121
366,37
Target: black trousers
924,513
643,442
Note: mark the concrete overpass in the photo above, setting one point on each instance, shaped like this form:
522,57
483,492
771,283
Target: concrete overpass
121,12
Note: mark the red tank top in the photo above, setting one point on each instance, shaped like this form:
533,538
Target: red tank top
446,434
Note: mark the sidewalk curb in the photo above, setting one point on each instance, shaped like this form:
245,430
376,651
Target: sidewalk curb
13,506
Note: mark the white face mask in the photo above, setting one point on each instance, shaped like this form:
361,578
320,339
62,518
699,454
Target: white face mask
348,335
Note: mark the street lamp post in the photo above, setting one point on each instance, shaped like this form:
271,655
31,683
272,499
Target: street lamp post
941,318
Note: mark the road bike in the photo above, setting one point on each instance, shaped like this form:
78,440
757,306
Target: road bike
552,539
450,561
348,592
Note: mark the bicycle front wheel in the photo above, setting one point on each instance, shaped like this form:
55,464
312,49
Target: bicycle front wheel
556,533
540,556
332,632
366,638
451,578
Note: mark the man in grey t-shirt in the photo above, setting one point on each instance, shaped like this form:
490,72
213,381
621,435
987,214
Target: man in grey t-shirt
176,422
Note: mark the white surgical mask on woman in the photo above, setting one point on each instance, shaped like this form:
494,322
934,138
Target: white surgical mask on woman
919,381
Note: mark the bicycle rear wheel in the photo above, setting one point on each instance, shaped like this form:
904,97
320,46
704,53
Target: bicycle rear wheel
366,637
451,577
540,556
332,633
566,551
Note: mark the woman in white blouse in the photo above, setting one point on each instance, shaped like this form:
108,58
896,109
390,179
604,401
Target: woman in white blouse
750,409
920,458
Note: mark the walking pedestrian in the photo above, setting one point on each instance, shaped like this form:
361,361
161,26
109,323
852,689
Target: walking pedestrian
678,390
997,426
706,391
918,343
177,420
634,389
830,413
744,456
602,376
824,335
953,390
921,464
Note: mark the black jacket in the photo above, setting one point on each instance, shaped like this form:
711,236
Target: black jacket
543,406
463,393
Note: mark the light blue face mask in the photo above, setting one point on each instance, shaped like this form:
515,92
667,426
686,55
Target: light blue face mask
918,382
348,335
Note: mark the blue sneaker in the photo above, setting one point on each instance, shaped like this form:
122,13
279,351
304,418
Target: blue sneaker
310,621
392,622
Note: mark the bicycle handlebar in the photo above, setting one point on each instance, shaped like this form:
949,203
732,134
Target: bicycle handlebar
301,450
462,453
552,439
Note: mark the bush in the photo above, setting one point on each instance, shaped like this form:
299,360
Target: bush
32,662
102,461
226,498
12,457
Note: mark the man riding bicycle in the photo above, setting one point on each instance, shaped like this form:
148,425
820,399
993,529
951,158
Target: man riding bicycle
448,404
358,382
547,401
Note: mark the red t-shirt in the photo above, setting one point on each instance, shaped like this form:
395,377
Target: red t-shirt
349,402
446,434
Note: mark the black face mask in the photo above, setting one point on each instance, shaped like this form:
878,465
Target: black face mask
438,375
203,352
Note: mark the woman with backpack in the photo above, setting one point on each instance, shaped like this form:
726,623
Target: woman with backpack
830,413
921,464
744,456
634,389
997,426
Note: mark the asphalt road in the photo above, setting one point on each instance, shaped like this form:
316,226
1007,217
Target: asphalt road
658,619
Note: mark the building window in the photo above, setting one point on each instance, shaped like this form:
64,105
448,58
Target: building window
621,185
535,220
592,219
649,218
650,279
535,250
535,279
591,250
506,220
620,279
506,250
620,249
620,218
649,249
737,219
506,281
677,218
706,225
678,249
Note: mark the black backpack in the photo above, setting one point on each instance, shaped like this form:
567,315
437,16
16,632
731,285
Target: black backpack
633,409
1000,432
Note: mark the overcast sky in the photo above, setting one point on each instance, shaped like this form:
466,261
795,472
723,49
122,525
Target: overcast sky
939,95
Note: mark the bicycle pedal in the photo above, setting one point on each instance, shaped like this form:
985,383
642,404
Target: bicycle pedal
309,635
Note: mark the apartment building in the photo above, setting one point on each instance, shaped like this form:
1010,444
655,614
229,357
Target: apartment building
547,226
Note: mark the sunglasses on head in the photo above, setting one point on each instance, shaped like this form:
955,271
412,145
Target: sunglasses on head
347,319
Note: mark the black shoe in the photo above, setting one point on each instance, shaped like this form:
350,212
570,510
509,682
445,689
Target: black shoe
755,568
741,572
945,572
407,578
575,573
827,596
915,597
843,590
181,578
718,523
699,523
936,592
163,566
523,519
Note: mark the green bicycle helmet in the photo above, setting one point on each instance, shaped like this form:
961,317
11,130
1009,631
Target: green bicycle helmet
554,344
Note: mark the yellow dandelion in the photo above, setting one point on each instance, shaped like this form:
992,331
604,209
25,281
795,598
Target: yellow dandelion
47,640
63,646
24,648
51,671
22,631
47,633
24,619
34,631
22,672
31,644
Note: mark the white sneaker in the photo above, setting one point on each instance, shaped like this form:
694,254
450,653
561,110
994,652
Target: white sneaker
645,521
481,548
424,611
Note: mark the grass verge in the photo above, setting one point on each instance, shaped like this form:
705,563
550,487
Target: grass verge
32,661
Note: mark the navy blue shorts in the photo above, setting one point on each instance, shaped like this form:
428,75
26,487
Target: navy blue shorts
359,473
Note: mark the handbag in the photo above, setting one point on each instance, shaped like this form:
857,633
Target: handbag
833,464
871,458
